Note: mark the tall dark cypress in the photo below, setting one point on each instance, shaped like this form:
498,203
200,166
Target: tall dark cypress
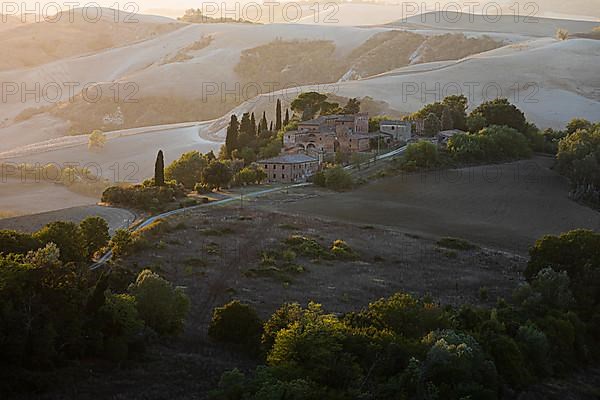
271,127
263,123
159,170
278,116
231,140
253,122
287,117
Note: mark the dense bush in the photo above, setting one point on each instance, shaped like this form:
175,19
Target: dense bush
68,237
491,144
336,178
456,367
152,198
421,155
237,324
13,242
217,174
54,311
578,158
77,243
500,112
95,234
578,254
122,243
162,306
121,325
249,176
187,170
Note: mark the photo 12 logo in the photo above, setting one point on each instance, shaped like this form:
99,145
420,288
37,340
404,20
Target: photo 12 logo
267,12
252,92
468,11
68,11
68,172
429,92
57,92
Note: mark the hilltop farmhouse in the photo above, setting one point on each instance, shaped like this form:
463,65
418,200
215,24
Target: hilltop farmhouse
289,168
329,134
305,148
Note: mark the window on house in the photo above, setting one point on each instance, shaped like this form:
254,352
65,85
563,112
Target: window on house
282,176
274,176
283,167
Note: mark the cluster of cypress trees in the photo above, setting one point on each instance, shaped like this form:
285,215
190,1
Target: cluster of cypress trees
248,133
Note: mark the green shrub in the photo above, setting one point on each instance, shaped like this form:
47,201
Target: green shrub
313,348
405,315
122,243
421,155
578,254
456,367
535,348
491,144
306,246
341,250
121,325
187,170
281,319
13,242
151,198
68,237
95,234
162,306
508,359
500,112
336,178
238,324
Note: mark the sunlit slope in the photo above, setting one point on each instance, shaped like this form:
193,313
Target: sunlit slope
551,81
527,22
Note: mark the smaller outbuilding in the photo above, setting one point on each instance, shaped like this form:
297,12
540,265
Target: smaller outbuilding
397,130
288,168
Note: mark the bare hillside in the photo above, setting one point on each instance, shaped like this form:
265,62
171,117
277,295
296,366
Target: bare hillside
31,44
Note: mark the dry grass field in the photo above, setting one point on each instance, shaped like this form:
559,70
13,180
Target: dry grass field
506,206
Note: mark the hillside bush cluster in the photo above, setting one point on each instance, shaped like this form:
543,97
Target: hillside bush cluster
54,312
335,178
495,131
578,158
491,144
76,242
405,347
145,196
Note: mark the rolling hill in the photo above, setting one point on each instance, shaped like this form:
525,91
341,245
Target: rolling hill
563,85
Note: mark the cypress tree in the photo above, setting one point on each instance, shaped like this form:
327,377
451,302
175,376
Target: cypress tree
159,170
278,116
263,123
447,121
231,140
253,122
271,127
287,117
